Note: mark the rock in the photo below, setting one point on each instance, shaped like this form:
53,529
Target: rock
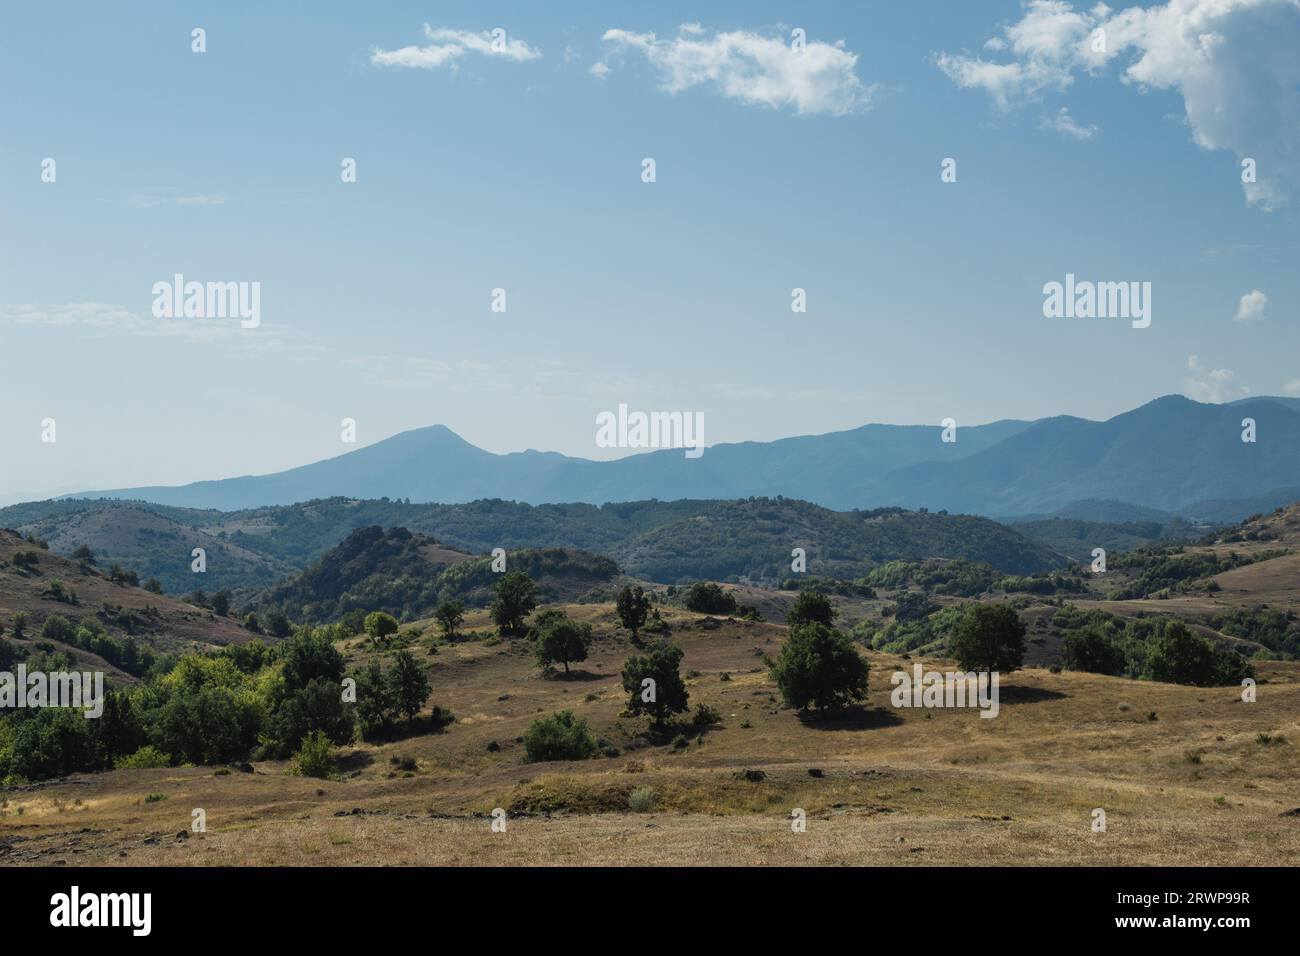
1294,812
815,772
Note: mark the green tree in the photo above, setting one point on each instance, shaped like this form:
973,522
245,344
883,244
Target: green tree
665,693
1177,655
988,638
84,555
410,685
819,667
375,705
811,607
516,598
633,607
221,603
705,597
380,624
562,640
449,615
1090,649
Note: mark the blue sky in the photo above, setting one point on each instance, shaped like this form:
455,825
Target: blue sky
522,170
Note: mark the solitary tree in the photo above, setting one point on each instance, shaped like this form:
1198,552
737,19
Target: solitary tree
380,624
516,598
449,616
988,637
84,555
810,607
633,608
410,685
819,667
221,603
654,682
562,640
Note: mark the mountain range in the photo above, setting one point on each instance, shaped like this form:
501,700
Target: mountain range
1171,454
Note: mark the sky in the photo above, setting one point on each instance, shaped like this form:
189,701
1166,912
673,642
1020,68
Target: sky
514,161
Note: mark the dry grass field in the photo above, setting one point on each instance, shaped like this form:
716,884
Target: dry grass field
1185,776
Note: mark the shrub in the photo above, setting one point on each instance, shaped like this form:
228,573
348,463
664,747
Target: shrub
642,800
315,757
146,758
560,736
380,625
705,597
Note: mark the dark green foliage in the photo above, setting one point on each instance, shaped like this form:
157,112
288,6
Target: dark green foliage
561,640
410,685
987,638
380,625
706,597
560,736
667,695
819,667
315,708
1159,569
449,614
1177,655
912,606
811,607
516,598
632,607
310,655
1092,649
221,603
1277,630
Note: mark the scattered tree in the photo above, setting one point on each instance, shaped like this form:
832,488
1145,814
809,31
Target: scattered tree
819,667
988,638
811,607
562,640
516,598
665,693
633,608
450,614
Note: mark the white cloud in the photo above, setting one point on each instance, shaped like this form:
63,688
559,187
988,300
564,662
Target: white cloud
1064,124
115,319
447,46
1211,384
754,69
599,70
1251,306
1234,62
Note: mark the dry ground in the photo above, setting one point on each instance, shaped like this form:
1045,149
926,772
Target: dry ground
1181,773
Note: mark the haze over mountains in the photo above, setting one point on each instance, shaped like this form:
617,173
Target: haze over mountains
1171,454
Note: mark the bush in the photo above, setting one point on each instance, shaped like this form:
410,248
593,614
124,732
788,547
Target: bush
642,800
560,736
819,667
705,597
315,758
147,757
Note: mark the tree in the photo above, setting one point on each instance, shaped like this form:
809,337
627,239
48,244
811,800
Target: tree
380,625
561,639
819,667
410,685
84,555
1090,649
1177,655
633,607
374,700
311,655
705,597
912,606
560,736
516,598
811,607
988,638
221,603
277,625
666,692
153,586
449,615
18,625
